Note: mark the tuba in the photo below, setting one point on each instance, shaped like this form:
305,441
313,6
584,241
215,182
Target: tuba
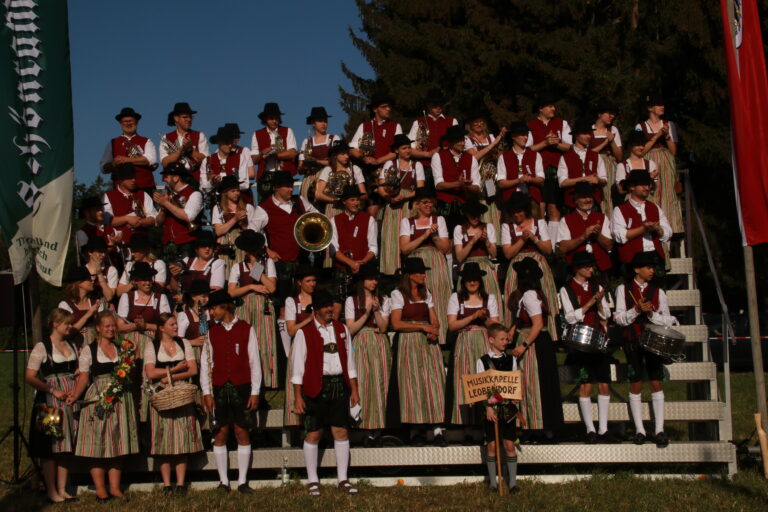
313,232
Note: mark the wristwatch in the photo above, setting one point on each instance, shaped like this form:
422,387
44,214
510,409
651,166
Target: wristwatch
525,344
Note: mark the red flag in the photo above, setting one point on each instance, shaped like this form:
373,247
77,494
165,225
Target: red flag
748,88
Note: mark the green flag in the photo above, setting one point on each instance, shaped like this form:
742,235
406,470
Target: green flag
36,138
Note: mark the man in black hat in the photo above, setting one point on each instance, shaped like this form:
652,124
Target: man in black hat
131,148
184,144
586,230
126,208
273,148
92,211
314,149
372,140
181,205
579,164
427,130
325,383
520,168
230,378
456,174
223,162
640,302
639,225
584,303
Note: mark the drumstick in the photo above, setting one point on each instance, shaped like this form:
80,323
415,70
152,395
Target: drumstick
634,298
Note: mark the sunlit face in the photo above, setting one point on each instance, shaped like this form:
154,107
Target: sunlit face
321,126
183,121
170,327
607,117
129,184
645,273
129,125
97,257
370,283
471,286
143,284
585,203
435,109
272,122
585,272
233,194
308,284
352,204
383,111
478,125
548,111
205,252
657,110
218,312
499,341
343,158
418,278
404,151
107,328
325,313
426,206
62,328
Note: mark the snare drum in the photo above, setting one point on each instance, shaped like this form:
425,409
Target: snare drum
663,341
585,338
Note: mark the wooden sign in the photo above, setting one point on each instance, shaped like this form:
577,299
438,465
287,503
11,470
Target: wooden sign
477,386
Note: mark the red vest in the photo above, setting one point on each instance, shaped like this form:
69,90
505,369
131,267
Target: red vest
245,278
633,331
121,146
454,171
417,231
437,128
516,169
539,132
175,230
264,141
194,137
230,354
632,219
122,205
582,296
279,228
147,312
577,169
313,366
320,152
352,235
193,327
383,136
577,225
230,167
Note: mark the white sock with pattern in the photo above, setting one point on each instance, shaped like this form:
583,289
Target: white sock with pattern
222,460
585,406
636,406
657,399
603,401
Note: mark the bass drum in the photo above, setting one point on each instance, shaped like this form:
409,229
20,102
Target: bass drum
663,341
585,338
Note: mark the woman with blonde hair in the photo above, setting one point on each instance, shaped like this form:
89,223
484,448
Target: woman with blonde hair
230,217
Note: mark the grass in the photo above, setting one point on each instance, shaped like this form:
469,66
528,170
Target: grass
604,491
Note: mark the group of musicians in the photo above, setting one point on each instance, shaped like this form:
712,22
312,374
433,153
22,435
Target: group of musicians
473,230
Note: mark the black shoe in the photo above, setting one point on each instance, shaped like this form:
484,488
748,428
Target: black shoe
418,440
223,487
514,490
167,489
639,439
244,489
661,440
591,438
608,438
104,500
181,489
440,441
71,499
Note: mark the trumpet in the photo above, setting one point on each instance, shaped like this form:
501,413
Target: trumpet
138,208
313,232
131,149
422,134
279,147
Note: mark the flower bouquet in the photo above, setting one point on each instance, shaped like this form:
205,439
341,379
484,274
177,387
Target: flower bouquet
49,421
119,380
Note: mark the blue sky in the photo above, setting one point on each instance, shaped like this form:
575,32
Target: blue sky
225,58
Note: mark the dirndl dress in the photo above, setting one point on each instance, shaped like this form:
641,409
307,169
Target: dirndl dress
471,344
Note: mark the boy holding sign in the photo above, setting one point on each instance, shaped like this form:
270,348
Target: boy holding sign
503,413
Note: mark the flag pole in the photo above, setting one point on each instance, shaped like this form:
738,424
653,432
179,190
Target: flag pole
754,333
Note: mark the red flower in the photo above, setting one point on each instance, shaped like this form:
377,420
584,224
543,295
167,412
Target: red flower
109,399
128,360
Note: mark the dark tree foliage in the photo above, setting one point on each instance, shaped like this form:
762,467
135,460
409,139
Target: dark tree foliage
498,55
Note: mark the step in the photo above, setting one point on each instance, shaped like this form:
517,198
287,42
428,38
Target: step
696,410
693,333
681,266
683,298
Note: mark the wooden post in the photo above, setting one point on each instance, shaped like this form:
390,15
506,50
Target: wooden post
763,437
499,475
754,333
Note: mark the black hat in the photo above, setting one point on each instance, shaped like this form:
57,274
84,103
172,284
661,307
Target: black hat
95,243
400,140
303,271
377,100
204,239
413,266
636,138
653,100
142,270
351,190
77,274
123,171
127,112
476,114
218,297
317,114
250,241
474,207
197,287
527,268
91,202
338,147
270,110
140,241
234,129
471,271
435,96
424,192
583,259
223,134
454,134
519,201
369,270
175,169
581,126
545,98
227,183
606,106
179,109
639,177
321,299
282,179
645,259
517,128
583,189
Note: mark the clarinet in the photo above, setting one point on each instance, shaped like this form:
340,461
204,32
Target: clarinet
203,331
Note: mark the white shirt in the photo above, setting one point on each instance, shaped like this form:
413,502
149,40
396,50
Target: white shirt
242,172
624,317
531,303
414,131
194,204
109,212
501,169
269,270
564,232
355,142
625,167
415,166
270,163
398,302
65,306
620,226
290,309
562,167
158,265
215,267
328,139
455,307
460,238
480,367
202,147
672,129
85,361
442,227
262,218
331,362
148,151
539,228
437,169
385,308
372,235
470,143
357,174
124,305
255,222
253,360
614,131
565,136
574,316
163,357
183,321
38,356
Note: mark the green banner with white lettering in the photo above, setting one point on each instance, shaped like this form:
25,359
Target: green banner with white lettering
36,137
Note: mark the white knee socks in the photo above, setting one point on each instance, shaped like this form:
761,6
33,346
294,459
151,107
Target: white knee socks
657,399
342,459
220,455
603,401
585,405
310,460
243,463
636,406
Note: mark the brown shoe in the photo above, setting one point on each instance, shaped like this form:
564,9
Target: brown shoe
347,487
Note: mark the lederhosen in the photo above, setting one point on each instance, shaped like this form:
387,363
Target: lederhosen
593,367
507,412
641,364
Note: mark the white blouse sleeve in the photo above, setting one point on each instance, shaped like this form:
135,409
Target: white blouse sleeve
290,310
493,306
37,357
189,352
218,270
349,308
453,305
84,360
531,303
234,274
442,227
405,227
543,230
396,300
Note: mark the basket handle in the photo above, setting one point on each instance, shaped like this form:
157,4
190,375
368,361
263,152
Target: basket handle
168,372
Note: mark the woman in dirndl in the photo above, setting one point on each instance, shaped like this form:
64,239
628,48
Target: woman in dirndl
474,241
50,370
661,148
313,155
470,310
298,313
203,265
141,250
175,433
230,216
188,319
107,426
526,237
105,274
409,174
366,314
419,368
535,351
254,279
606,142
425,236
79,300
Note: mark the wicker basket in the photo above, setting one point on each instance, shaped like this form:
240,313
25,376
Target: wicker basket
173,396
